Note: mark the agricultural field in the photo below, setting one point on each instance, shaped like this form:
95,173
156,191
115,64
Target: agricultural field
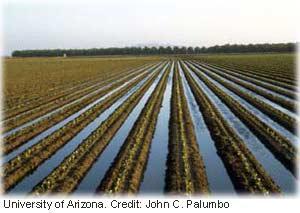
194,124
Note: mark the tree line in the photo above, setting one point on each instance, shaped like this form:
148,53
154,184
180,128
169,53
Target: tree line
227,48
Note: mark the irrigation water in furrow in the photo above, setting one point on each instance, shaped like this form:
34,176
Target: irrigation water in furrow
59,125
273,104
274,97
246,172
154,176
15,140
280,118
65,88
185,167
291,89
74,167
60,108
278,77
126,172
290,136
90,85
21,166
255,82
88,96
276,170
43,170
94,176
40,101
218,179
83,91
15,171
283,83
279,145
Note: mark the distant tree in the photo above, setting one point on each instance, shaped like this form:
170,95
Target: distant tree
227,48
169,50
176,50
190,50
154,50
161,50
183,50
197,50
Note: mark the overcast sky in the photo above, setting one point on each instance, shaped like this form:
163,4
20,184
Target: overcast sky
87,24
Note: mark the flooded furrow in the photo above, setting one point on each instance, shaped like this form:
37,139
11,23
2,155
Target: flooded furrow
253,80
49,131
280,82
271,103
290,136
92,87
218,178
154,176
94,176
275,169
236,76
43,170
90,83
66,105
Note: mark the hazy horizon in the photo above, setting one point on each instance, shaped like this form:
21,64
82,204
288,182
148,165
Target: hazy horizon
96,24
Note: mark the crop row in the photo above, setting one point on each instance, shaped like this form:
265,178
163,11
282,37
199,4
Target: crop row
269,78
276,99
22,136
70,172
54,100
31,79
270,87
126,172
185,168
17,168
285,120
281,147
245,171
26,117
277,65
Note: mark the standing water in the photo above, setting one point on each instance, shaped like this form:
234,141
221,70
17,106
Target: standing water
68,104
265,118
154,176
273,167
27,184
273,104
94,176
218,179
52,129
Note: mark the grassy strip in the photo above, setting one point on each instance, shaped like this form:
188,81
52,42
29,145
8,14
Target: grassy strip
22,136
12,123
16,169
278,100
62,97
70,172
269,78
246,172
281,147
285,120
126,172
186,170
